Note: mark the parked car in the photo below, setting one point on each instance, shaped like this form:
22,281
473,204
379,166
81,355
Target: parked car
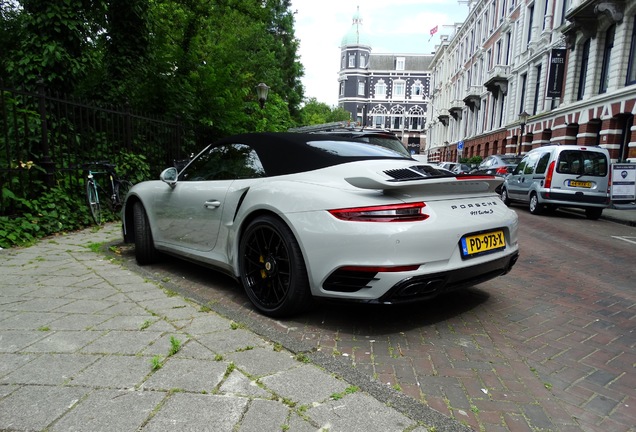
448,165
294,216
499,165
462,169
561,176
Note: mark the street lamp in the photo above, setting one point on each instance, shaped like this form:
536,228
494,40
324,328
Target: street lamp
262,90
523,118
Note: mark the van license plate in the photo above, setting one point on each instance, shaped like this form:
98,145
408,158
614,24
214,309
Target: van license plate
581,184
482,243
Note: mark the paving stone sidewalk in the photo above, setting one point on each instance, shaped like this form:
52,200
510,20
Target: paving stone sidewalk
88,345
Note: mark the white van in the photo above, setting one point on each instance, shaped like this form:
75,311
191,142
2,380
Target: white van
561,176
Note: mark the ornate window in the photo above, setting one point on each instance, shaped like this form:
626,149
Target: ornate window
397,116
416,118
380,90
378,113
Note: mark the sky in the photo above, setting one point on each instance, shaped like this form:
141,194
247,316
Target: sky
392,26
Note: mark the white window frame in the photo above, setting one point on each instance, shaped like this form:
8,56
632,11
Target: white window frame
400,63
361,88
399,89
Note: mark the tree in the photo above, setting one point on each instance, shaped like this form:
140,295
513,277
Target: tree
314,112
126,45
196,60
55,39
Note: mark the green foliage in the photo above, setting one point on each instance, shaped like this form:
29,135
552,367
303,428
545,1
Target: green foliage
132,167
53,42
175,345
156,362
314,112
198,62
55,210
475,160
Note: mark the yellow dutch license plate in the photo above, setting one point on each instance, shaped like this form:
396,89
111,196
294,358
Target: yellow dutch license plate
581,184
479,244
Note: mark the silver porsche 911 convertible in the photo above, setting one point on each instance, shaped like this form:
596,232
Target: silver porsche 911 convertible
294,216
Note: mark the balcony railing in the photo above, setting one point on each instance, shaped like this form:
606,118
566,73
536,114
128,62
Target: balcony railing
497,78
472,96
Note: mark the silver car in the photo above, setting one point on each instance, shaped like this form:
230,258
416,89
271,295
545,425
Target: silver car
561,176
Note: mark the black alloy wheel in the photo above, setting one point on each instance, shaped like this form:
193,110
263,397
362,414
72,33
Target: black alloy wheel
272,268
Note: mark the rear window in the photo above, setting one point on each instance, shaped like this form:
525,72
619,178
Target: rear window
582,162
511,160
359,148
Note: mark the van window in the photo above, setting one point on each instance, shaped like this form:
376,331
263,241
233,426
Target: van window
532,159
543,163
582,162
520,167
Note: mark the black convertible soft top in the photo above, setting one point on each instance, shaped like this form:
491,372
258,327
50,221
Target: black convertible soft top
291,152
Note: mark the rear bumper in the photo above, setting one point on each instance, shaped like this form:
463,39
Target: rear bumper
578,199
431,285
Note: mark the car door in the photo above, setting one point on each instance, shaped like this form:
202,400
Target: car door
190,214
526,174
513,181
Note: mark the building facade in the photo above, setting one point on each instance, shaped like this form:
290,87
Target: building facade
518,74
384,91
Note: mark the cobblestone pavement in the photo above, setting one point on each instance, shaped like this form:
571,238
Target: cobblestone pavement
548,347
89,345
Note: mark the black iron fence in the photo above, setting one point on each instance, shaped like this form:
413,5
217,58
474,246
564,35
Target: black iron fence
45,139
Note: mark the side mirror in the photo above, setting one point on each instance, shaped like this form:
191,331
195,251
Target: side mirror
169,175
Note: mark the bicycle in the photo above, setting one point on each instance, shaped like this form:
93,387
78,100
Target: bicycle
118,189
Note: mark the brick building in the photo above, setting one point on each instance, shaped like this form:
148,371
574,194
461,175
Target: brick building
518,74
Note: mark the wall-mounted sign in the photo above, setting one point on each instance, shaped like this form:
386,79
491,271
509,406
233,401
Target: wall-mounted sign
623,182
556,72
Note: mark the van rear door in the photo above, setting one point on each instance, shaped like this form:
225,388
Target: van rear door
582,175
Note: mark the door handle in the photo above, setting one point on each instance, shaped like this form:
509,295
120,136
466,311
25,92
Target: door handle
212,204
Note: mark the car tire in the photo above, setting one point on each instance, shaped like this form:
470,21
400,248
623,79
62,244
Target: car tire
272,268
593,213
504,196
534,206
145,252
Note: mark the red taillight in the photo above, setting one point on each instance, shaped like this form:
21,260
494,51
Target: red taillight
475,177
502,171
380,269
410,212
548,177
